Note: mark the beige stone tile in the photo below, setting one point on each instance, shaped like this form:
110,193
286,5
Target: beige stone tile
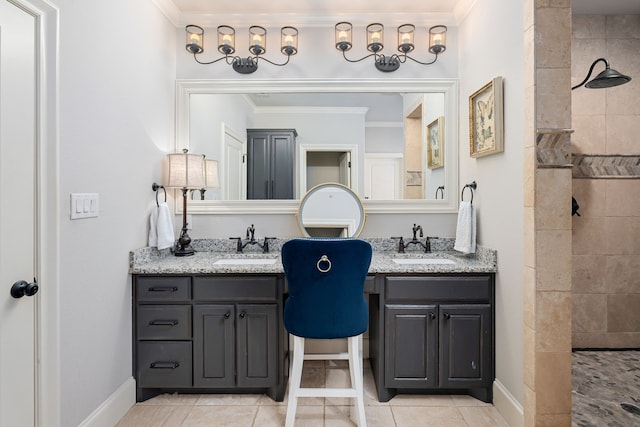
553,322
529,54
443,416
553,192
589,273
553,260
529,125
589,312
554,420
588,27
464,400
338,416
529,343
589,136
529,175
553,37
380,416
172,399
529,297
590,340
622,274
588,236
585,102
591,196
529,237
221,416
483,417
583,53
529,12
622,313
623,26
621,236
155,416
553,98
622,132
224,399
421,400
338,378
623,100
621,340
552,3
553,383
274,416
529,406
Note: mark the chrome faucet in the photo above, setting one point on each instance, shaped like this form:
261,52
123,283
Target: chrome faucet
251,240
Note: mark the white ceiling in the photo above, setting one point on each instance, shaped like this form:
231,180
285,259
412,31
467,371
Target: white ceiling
359,12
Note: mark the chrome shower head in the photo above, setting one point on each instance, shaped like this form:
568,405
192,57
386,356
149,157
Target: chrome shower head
607,78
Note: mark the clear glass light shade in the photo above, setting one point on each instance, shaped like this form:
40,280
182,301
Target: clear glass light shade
186,170
343,32
226,39
437,39
405,38
375,37
211,174
257,40
289,40
195,39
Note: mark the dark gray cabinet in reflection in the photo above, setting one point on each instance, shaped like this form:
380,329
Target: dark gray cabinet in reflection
270,163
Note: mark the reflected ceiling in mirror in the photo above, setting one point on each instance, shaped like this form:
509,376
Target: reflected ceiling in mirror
369,120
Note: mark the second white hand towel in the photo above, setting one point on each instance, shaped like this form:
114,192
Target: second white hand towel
164,226
466,229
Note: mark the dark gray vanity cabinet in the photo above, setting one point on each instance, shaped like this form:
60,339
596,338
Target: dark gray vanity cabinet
209,333
438,335
270,163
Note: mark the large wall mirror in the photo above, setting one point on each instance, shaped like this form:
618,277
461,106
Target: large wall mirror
394,143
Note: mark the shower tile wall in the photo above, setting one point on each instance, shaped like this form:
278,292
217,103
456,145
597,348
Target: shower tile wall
606,237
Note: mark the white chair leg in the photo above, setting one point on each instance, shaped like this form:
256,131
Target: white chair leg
295,379
356,371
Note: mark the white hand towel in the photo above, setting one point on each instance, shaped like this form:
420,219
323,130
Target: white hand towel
466,229
153,227
164,227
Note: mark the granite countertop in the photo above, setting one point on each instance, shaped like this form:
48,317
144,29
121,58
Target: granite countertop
151,261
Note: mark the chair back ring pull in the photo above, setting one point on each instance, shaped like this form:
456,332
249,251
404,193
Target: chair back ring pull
324,260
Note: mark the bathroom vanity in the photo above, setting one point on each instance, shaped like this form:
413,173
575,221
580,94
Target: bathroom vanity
212,323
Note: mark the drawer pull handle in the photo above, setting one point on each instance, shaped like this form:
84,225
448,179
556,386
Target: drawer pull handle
163,322
227,315
163,289
165,365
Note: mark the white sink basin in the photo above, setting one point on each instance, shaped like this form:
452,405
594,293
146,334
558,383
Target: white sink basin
246,261
432,261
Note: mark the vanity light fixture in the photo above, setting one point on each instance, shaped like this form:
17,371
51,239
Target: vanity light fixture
257,46
211,179
375,37
607,78
186,171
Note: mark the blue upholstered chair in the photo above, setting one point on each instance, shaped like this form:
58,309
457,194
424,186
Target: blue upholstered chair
326,301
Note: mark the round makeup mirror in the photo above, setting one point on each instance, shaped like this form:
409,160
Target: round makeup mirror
331,210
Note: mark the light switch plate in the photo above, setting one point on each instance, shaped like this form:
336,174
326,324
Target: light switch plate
84,205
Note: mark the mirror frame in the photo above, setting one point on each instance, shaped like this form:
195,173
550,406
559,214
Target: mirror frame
320,187
449,87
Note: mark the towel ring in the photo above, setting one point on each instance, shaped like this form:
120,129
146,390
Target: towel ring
323,260
441,191
471,187
155,188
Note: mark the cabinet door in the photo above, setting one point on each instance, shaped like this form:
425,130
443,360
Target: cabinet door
270,164
214,346
257,345
466,345
283,151
411,339
258,166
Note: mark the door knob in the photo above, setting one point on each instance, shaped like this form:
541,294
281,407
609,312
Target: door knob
22,288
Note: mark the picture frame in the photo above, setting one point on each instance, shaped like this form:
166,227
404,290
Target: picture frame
435,143
486,119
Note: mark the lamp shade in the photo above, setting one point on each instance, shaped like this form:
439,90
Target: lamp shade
186,170
211,174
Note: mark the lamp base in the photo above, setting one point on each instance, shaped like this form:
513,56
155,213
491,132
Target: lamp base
184,251
184,245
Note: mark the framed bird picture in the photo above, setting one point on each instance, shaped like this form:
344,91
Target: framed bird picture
486,119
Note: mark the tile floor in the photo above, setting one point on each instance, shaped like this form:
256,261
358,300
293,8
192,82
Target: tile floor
184,410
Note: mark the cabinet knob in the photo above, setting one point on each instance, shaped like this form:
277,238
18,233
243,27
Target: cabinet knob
242,314
227,315
432,315
447,316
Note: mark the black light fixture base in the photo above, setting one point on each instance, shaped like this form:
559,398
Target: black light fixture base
387,64
245,65
184,251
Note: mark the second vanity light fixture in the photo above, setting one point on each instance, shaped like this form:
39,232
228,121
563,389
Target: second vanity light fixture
257,46
375,37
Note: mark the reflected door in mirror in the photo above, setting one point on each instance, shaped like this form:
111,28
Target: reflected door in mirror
270,163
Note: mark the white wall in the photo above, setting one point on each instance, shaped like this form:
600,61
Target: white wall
491,44
117,77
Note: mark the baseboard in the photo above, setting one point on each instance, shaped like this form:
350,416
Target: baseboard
510,409
113,409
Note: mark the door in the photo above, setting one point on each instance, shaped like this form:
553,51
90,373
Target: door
17,214
411,346
345,169
257,335
383,177
235,169
466,346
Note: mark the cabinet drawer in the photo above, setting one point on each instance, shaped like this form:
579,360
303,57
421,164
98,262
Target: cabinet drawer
168,322
438,288
164,364
165,288
241,288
